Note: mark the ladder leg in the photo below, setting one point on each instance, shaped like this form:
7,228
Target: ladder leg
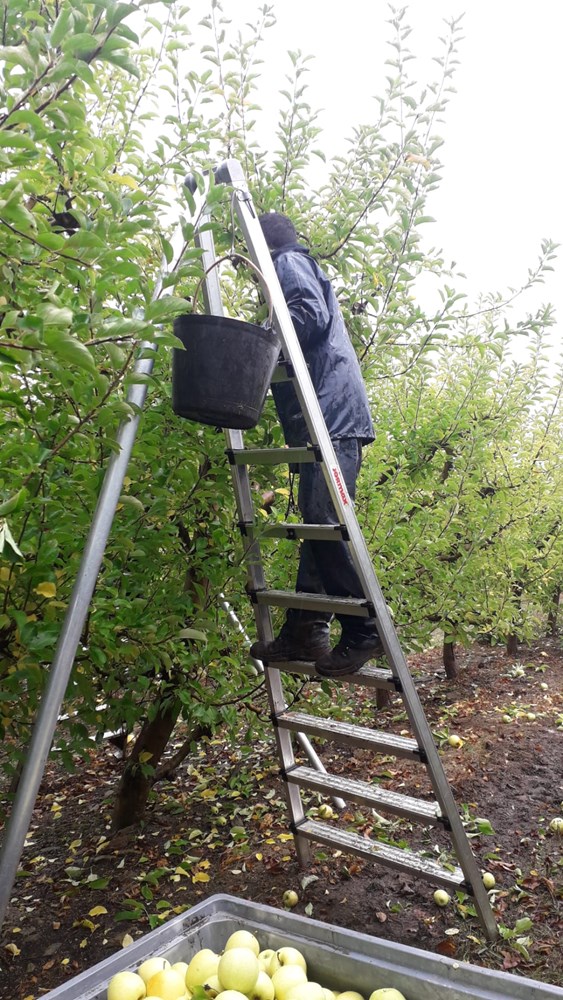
371,606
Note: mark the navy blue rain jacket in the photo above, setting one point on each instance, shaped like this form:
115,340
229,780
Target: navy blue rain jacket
328,351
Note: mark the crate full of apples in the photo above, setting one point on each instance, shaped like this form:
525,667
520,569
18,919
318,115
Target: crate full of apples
242,971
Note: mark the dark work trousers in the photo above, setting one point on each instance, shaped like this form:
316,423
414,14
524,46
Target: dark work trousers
327,567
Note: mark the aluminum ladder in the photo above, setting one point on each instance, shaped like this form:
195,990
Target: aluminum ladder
442,811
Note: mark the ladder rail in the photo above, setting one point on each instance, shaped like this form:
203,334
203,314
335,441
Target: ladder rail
230,172
260,255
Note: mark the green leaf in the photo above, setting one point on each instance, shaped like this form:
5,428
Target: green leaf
54,315
69,349
8,546
61,25
14,502
192,633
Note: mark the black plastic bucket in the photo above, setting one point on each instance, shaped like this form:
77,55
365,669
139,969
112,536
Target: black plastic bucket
223,374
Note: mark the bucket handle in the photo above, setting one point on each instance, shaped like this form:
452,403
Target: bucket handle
250,263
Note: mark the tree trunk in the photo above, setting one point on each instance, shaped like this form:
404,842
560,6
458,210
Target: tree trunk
449,660
512,645
553,612
382,698
135,784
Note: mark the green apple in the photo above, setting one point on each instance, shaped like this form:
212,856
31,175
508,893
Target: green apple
556,824
264,959
441,897
263,988
238,969
329,994
203,965
287,956
167,984
325,811
506,718
489,880
387,993
126,986
243,939
531,716
285,978
232,995
181,967
455,741
349,995
290,898
155,964
306,991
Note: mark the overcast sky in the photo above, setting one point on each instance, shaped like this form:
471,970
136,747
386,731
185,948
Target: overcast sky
501,189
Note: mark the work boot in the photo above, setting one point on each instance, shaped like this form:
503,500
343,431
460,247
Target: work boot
349,655
306,642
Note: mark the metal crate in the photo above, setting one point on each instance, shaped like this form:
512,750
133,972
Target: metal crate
338,958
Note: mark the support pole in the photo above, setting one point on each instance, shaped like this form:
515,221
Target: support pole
50,707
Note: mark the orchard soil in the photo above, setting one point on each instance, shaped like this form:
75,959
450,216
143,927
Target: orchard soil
220,826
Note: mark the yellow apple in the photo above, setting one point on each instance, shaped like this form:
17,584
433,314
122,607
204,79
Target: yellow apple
290,898
243,939
232,995
285,978
263,988
489,880
286,956
212,986
181,967
306,991
387,993
329,994
325,811
441,897
454,740
126,986
556,824
167,984
155,964
238,969
349,995
203,965
264,959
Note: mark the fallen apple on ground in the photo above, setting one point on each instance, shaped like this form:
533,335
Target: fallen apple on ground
441,897
290,898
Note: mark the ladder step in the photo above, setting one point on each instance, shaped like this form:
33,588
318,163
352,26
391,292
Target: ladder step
350,735
273,456
392,857
366,676
407,806
320,532
313,602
